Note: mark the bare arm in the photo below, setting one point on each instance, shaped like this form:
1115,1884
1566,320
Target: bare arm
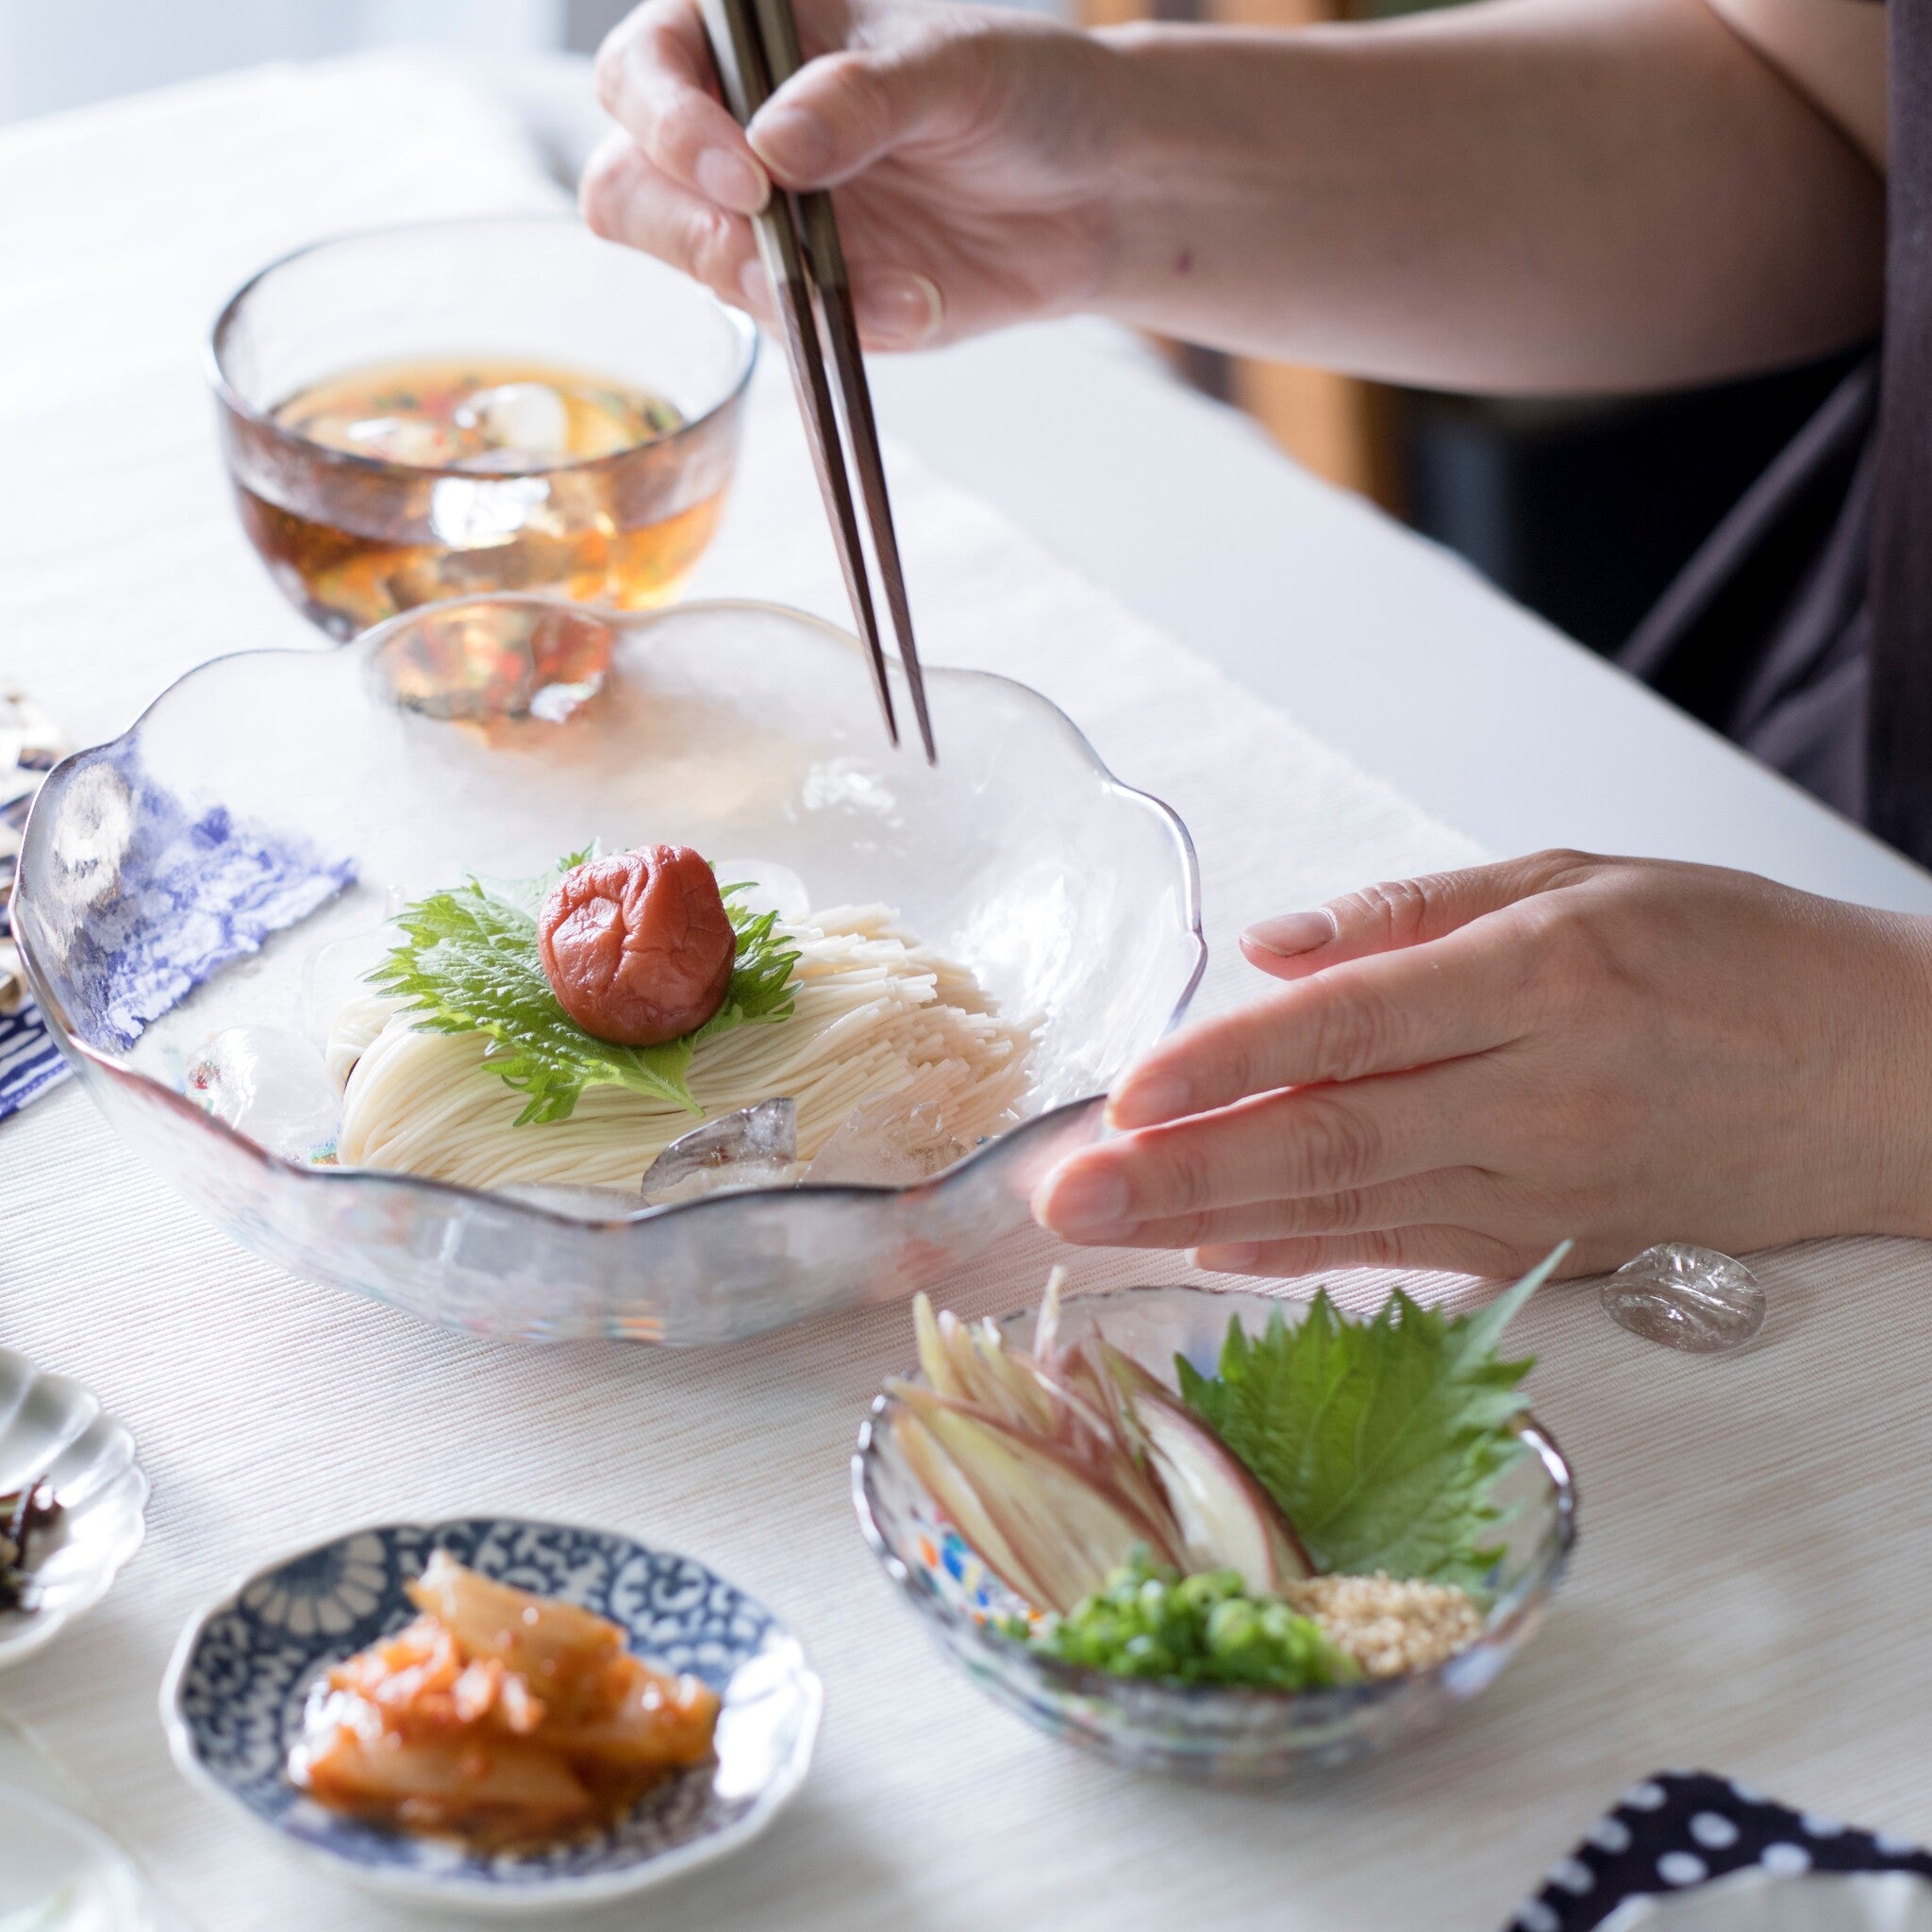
1522,195
1518,196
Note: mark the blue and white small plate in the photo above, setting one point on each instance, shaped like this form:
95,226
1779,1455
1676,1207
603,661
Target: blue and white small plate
233,1700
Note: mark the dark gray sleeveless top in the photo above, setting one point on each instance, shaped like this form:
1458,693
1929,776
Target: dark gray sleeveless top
1802,626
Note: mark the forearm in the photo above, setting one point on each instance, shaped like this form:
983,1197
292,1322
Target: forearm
1519,195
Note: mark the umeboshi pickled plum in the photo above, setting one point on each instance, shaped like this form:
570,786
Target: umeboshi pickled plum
638,947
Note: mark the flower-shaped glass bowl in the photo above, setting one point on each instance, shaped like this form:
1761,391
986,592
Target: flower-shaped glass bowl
499,734
352,539
234,1695
1224,1735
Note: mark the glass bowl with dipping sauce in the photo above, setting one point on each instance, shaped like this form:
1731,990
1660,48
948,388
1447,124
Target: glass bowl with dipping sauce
500,404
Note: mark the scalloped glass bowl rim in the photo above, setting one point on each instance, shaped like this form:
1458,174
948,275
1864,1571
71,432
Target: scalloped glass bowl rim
365,645
1083,1680
740,326
564,1894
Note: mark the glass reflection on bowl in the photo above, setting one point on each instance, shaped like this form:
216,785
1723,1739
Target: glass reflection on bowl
1223,1735
498,733
352,539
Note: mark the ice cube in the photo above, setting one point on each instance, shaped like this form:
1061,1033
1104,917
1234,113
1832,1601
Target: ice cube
474,512
884,1142
338,973
271,1084
412,439
755,1147
769,887
530,418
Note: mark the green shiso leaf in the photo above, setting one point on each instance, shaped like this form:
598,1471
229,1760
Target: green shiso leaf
1380,1439
468,962
527,895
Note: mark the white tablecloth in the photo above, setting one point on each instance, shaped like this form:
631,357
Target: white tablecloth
1757,1535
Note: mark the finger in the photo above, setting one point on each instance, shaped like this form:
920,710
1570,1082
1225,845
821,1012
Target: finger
1400,912
898,308
626,198
839,114
1454,1250
1314,1141
1463,1195
656,79
1385,1014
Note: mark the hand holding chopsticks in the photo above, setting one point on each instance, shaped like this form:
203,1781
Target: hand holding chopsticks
754,43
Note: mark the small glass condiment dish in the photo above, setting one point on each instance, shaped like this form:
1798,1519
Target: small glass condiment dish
352,539
1218,1734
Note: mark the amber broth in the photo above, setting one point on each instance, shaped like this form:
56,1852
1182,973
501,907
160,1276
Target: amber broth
547,511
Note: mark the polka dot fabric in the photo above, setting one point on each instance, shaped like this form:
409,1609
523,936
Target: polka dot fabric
1681,1828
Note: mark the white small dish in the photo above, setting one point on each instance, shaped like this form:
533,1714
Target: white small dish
1760,1900
59,1873
52,1430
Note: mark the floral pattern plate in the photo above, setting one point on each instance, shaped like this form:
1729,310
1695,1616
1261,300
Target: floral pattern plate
234,1697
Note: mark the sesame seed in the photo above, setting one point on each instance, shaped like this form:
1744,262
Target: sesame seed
1386,1624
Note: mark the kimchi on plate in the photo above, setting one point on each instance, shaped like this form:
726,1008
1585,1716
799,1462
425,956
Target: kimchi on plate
498,1716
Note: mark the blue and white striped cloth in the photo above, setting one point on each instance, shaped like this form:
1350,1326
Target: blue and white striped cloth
30,1063
193,888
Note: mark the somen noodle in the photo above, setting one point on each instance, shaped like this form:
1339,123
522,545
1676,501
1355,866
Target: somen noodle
874,1014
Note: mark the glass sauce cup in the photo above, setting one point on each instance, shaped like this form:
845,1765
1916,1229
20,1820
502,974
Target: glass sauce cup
354,539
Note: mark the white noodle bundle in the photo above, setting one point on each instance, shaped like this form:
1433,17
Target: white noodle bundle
873,1014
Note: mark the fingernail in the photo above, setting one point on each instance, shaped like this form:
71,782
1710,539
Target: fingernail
899,309
1233,1257
732,181
1148,1103
794,141
1291,933
753,286
1086,1204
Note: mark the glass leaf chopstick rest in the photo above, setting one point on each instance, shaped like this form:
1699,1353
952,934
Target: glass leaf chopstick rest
1685,1297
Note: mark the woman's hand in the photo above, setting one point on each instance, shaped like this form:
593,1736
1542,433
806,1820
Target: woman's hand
971,148
1539,196
1463,1070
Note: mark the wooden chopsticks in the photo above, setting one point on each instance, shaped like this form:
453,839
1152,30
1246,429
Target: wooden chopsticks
754,43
